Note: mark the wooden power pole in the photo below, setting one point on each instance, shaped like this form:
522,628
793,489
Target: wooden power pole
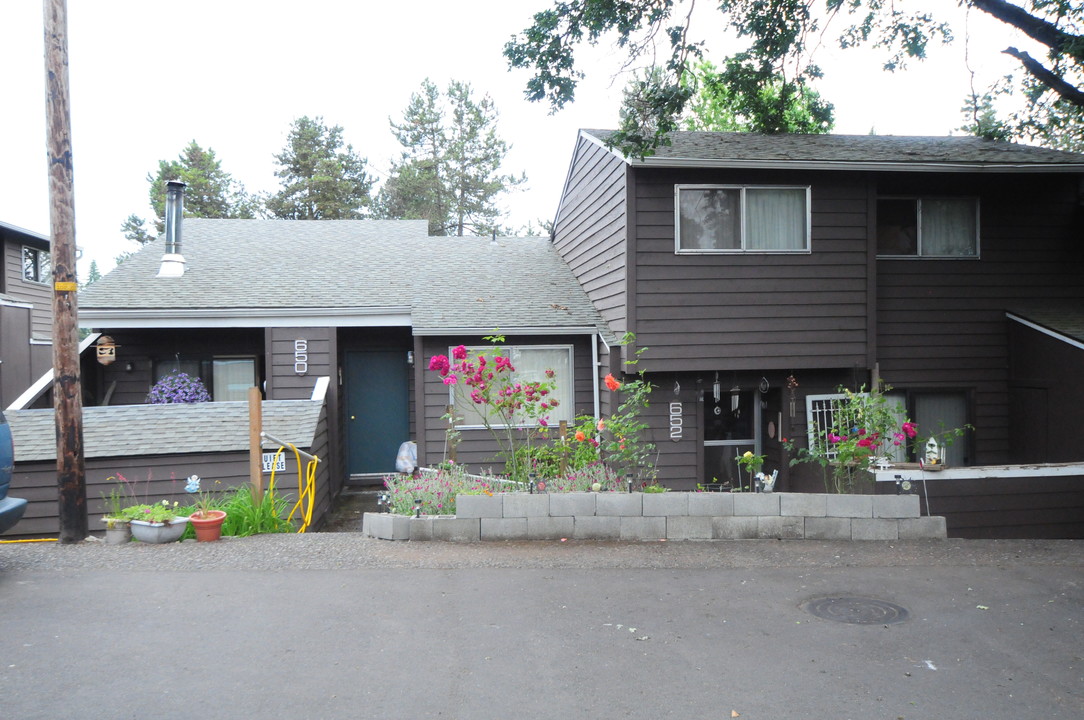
67,389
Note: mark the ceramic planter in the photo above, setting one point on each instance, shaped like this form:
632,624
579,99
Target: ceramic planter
117,531
209,528
156,532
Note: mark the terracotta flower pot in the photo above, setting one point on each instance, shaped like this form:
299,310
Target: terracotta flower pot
208,525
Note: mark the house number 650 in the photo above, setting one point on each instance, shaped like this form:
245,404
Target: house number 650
301,356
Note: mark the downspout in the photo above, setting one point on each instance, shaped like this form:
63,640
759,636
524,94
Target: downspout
595,389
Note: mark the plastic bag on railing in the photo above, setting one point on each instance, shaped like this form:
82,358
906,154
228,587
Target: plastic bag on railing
407,459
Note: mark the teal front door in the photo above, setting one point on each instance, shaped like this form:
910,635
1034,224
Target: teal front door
377,418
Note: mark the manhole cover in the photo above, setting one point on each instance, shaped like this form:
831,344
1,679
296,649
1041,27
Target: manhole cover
856,610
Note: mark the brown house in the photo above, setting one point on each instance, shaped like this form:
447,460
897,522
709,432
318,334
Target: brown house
26,312
762,272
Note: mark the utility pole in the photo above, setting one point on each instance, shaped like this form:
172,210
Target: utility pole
67,389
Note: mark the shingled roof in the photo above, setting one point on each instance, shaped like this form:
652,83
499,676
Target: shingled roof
135,430
340,269
865,152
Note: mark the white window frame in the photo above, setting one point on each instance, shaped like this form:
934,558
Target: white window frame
37,253
819,408
807,229
919,255
565,392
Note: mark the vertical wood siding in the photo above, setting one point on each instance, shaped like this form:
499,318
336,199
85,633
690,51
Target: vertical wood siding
941,323
723,312
591,230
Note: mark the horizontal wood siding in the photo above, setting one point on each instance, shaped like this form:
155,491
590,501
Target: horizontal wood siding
144,348
590,232
1045,420
153,478
941,323
478,449
284,380
771,311
38,294
16,373
1043,507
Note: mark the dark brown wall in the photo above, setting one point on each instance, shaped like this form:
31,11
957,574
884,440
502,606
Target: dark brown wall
729,312
477,448
143,347
591,229
1047,414
941,323
16,373
1034,507
284,382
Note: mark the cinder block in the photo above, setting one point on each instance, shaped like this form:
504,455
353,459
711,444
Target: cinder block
850,506
456,529
875,529
827,528
711,504
781,528
421,528
689,527
386,526
663,504
550,528
803,504
895,506
580,504
923,528
521,505
479,506
597,528
642,528
615,504
756,503
734,528
504,528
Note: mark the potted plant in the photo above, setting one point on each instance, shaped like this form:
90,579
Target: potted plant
206,519
157,523
117,529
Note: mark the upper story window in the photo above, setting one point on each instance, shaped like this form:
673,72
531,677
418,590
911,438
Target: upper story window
928,227
37,265
741,218
531,363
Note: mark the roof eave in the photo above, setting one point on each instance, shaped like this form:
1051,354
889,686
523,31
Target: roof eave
244,317
953,167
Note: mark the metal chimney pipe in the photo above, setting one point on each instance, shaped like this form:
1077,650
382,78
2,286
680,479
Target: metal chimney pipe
173,261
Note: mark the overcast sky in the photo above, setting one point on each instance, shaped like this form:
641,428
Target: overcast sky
147,77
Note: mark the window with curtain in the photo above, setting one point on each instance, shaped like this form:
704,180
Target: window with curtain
928,227
725,218
531,363
226,378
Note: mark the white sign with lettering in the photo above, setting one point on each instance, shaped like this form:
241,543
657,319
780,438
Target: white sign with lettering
269,463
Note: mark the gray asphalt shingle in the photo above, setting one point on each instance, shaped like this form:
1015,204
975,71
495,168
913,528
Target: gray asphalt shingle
863,149
445,283
135,430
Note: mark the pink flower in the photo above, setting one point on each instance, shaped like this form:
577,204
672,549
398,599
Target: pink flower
459,353
542,422
865,442
910,429
601,425
439,362
450,380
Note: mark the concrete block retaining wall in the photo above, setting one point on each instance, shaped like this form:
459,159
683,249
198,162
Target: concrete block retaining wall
672,515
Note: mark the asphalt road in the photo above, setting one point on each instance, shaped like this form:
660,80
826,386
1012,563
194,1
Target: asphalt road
340,626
